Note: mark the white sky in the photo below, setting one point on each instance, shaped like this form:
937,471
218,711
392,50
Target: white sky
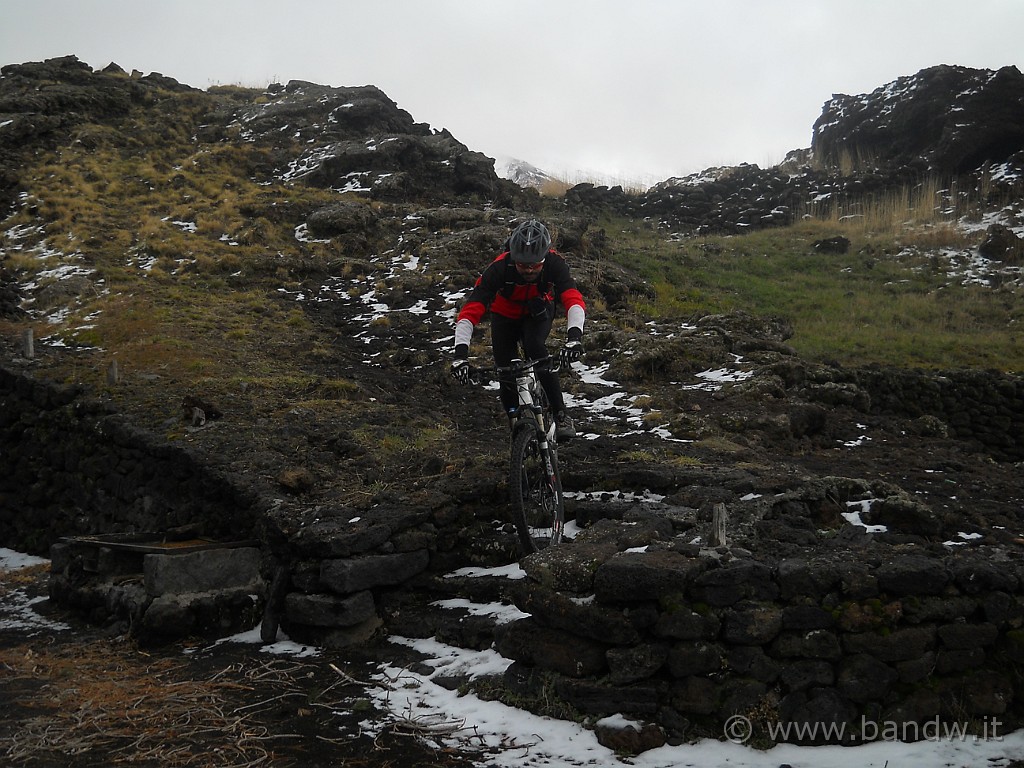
629,90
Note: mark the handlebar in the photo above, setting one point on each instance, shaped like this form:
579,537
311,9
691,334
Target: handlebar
476,375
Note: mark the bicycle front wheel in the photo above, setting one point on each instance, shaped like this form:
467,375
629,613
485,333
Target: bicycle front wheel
537,508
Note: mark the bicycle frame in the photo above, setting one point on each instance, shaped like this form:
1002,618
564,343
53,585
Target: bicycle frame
533,424
531,396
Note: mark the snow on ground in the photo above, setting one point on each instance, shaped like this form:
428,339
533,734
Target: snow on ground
13,561
506,737
436,318
282,645
16,607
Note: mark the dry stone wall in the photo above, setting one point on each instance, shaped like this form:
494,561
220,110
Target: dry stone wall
983,406
71,466
850,638
850,629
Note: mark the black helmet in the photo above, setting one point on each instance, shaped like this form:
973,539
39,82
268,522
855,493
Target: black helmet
529,242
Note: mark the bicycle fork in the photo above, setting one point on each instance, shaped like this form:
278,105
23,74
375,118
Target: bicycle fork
544,446
526,386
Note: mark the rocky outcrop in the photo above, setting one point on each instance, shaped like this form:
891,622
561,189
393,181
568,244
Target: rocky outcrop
1002,244
729,200
351,139
45,102
944,122
732,200
948,120
40,99
359,140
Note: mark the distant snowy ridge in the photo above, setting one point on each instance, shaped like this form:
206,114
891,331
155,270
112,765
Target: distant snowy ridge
521,172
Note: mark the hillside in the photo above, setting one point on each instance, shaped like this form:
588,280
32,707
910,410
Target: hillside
291,261
302,251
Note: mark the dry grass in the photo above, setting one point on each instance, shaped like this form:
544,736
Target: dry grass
184,270
112,702
75,700
559,185
555,187
929,207
21,577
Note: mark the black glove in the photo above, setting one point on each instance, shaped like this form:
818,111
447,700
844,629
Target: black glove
460,371
460,366
573,350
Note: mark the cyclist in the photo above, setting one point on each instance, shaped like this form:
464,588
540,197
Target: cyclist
520,288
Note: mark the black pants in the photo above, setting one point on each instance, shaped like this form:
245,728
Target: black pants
531,332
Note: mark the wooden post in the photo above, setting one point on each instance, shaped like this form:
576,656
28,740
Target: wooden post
112,373
719,516
28,344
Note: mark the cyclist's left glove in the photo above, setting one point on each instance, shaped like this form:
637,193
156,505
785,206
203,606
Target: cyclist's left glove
460,366
573,350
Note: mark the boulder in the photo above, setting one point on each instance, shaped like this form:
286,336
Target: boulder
1002,244
341,219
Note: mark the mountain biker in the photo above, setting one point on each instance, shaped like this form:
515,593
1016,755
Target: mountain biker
520,288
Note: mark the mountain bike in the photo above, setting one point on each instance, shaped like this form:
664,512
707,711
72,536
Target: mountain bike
534,483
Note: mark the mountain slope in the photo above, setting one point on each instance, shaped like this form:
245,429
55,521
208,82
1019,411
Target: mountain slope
290,262
304,247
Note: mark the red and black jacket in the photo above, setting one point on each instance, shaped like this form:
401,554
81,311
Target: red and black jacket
502,290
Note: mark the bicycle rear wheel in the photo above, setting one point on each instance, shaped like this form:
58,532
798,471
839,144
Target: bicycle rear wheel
537,507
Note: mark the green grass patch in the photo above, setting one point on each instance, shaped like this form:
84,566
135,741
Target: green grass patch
890,299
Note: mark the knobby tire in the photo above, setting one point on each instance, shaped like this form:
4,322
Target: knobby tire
537,506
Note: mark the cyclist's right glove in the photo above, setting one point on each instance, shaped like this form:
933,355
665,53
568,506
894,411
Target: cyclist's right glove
460,366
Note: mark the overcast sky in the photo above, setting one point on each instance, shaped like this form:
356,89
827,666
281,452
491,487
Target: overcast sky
628,90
